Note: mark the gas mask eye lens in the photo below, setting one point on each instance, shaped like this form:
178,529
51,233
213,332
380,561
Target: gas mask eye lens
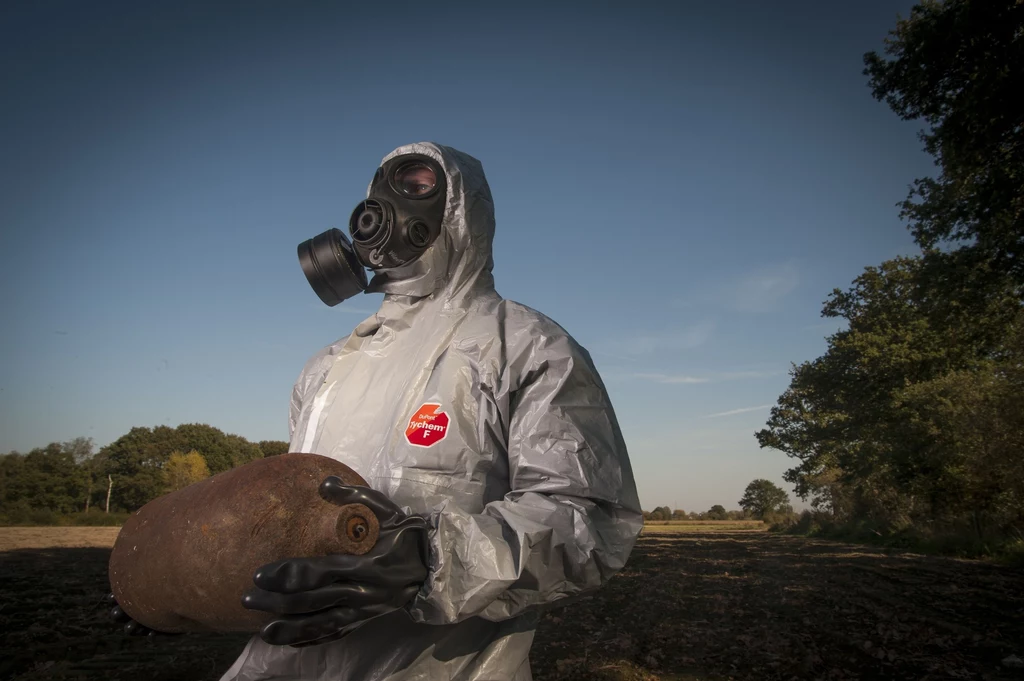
416,180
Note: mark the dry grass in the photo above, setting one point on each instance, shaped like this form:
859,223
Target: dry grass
14,538
703,526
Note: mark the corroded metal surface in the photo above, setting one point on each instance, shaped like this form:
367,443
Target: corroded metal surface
183,561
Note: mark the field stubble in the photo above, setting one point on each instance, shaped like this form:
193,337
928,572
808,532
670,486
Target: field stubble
719,600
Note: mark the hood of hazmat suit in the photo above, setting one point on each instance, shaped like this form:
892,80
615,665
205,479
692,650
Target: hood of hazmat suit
488,419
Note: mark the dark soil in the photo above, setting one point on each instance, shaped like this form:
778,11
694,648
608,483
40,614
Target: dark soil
730,604
753,605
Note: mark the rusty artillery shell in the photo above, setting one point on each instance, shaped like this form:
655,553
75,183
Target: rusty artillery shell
182,561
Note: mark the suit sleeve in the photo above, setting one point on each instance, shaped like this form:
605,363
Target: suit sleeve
572,515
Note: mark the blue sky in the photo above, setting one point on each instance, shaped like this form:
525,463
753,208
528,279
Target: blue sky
680,188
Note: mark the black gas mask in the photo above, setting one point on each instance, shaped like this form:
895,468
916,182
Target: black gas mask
397,222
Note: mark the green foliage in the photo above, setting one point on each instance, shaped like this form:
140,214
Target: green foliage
663,513
1013,553
716,512
970,426
956,538
659,513
912,422
222,452
56,484
136,459
781,518
881,424
762,497
273,447
45,478
958,66
182,470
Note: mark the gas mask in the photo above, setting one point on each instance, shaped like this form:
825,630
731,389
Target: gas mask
398,221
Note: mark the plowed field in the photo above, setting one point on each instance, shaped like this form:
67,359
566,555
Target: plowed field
695,602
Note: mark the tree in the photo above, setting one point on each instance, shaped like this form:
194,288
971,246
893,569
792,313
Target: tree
958,65
970,426
136,459
273,447
762,497
660,513
182,470
45,478
679,514
912,414
134,462
717,512
12,466
80,449
841,416
221,451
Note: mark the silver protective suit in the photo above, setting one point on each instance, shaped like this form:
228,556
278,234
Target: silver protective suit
528,488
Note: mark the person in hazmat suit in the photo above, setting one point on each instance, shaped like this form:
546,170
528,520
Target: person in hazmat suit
494,458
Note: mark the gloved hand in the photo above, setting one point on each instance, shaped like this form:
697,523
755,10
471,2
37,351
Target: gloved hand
131,627
323,598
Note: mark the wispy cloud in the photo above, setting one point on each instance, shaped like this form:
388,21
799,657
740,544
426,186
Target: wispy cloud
733,412
667,341
743,375
670,378
658,377
762,290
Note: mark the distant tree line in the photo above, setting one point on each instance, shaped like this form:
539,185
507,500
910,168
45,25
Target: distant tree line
762,500
70,477
913,419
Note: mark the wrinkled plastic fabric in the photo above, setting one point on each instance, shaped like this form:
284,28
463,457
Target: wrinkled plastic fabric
529,493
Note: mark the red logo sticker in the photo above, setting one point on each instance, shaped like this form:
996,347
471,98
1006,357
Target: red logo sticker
428,426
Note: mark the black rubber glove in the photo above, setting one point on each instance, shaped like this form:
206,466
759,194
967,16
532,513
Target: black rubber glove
323,598
131,627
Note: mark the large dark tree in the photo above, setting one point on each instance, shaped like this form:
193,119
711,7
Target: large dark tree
912,414
958,66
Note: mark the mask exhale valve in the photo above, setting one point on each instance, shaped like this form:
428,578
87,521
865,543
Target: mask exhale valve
370,226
